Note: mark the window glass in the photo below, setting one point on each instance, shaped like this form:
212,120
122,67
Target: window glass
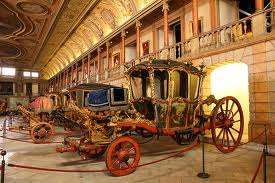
161,84
26,74
193,86
7,71
141,84
35,74
179,84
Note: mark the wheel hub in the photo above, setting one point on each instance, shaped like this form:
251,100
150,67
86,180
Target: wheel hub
228,123
42,132
122,155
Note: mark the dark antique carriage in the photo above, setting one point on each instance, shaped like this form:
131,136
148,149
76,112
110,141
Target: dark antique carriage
165,99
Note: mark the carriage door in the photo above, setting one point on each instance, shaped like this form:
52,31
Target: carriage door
184,90
161,95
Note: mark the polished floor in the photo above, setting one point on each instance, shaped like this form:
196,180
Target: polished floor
238,166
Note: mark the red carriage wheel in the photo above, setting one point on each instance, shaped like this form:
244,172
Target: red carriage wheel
123,156
227,124
41,132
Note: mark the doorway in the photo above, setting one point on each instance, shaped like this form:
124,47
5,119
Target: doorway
232,80
176,28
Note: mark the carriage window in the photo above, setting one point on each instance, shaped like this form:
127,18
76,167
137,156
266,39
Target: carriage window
161,84
179,83
140,83
193,87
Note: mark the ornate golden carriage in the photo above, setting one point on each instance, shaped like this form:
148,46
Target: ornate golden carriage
165,99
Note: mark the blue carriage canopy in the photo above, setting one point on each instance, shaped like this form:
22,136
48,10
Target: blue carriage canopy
108,96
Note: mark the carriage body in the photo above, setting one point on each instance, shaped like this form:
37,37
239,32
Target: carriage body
164,99
166,92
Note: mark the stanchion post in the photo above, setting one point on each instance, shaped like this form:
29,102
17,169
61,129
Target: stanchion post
203,174
5,127
3,164
265,154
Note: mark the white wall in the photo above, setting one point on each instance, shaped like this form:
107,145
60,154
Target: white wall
105,64
146,35
160,38
188,17
115,49
204,12
227,14
130,53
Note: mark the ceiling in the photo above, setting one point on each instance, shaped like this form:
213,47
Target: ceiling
47,35
24,25
100,21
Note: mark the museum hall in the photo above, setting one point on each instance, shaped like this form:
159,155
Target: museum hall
137,91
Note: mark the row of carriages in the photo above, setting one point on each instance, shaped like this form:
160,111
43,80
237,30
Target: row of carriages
160,98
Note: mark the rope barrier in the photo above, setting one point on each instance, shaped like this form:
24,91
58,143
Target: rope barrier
104,170
19,140
255,138
25,141
174,154
17,132
258,168
242,143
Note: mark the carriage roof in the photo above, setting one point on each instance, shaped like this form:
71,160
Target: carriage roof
92,86
167,65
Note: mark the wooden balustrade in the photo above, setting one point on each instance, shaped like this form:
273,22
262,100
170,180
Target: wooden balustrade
222,36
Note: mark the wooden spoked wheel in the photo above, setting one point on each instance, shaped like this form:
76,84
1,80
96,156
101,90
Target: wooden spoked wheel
42,133
123,156
227,124
88,150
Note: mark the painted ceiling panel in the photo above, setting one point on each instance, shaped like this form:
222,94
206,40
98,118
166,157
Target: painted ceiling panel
100,22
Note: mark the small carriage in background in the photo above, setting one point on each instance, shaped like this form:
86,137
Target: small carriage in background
37,120
165,99
3,107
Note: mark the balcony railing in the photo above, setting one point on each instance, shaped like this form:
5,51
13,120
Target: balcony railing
242,30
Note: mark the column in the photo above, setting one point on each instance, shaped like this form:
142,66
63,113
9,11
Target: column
182,24
94,71
138,25
195,41
213,14
59,81
108,55
259,5
72,74
83,68
165,9
154,34
67,77
273,15
76,72
195,17
64,79
258,21
122,48
88,67
98,60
